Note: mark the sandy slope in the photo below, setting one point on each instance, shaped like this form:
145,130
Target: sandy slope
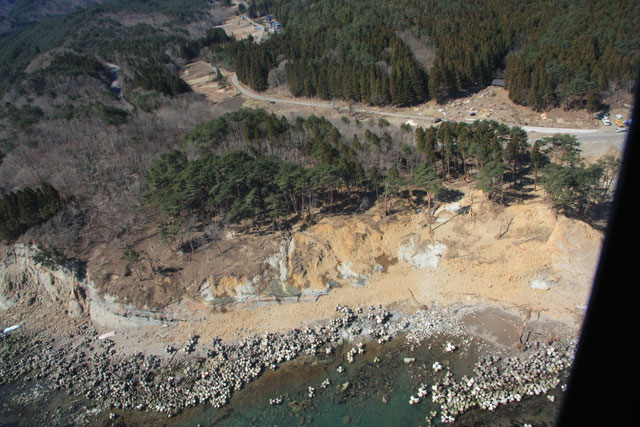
477,267
492,257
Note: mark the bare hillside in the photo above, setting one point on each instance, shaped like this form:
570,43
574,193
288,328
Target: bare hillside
522,256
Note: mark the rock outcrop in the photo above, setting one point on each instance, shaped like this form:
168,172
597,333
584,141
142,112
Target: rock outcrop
26,275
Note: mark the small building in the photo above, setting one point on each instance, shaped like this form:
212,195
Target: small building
498,82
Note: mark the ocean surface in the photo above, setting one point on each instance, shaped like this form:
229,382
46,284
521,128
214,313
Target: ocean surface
367,393
374,390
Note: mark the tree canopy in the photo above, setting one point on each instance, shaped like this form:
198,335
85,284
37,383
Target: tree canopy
551,53
26,208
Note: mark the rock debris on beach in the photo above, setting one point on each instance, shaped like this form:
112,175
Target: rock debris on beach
213,373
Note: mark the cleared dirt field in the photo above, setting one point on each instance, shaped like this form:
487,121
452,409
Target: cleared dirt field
200,75
240,28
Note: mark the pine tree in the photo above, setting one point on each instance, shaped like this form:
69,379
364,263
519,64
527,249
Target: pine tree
425,177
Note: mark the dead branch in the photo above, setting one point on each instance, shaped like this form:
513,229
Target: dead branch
523,330
506,230
422,306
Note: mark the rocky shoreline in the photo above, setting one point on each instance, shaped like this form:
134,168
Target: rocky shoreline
197,373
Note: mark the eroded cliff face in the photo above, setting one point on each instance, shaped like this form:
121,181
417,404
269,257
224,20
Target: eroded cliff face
27,277
336,252
523,254
23,280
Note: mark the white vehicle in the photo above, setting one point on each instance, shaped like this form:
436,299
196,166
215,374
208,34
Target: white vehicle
621,129
606,121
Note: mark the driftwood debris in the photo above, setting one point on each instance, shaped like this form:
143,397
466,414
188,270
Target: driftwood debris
525,333
422,306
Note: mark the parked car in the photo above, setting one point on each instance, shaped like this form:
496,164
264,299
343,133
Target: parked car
621,129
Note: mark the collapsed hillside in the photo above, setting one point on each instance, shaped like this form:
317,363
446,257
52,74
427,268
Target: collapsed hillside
519,256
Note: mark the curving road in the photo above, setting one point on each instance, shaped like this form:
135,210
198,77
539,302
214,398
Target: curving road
594,141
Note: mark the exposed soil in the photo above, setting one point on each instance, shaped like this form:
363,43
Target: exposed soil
492,256
200,75
240,28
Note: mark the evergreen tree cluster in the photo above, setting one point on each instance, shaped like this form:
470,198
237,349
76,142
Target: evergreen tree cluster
256,182
313,140
552,53
71,64
577,55
389,76
344,59
259,8
109,114
484,149
493,153
471,39
155,77
25,208
239,186
215,38
21,118
250,166
252,63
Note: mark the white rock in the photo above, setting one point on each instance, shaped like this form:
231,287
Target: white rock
540,284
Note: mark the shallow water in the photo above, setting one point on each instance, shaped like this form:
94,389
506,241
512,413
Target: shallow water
362,401
368,393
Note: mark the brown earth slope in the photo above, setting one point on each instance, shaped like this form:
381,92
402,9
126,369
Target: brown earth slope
522,256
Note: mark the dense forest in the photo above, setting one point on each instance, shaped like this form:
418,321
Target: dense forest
551,53
374,66
25,208
250,167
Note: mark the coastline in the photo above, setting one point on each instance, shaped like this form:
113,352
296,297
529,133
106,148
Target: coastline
184,380
482,287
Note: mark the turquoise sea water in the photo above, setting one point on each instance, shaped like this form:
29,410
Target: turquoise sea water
357,396
368,393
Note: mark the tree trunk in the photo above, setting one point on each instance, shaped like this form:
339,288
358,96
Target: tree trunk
429,211
293,201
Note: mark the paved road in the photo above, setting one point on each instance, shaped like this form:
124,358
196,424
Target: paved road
594,141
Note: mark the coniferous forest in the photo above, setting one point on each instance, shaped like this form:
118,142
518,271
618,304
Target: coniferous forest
252,167
551,53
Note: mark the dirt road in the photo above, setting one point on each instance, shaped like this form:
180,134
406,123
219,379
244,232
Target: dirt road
595,141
